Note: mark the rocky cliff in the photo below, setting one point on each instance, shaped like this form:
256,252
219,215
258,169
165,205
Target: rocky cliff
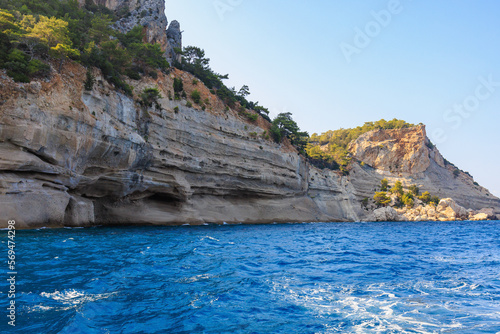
407,155
71,157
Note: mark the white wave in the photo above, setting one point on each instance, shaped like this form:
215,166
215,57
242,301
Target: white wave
74,297
63,296
377,312
197,278
210,238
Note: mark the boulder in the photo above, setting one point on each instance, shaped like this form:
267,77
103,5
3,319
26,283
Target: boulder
449,208
479,216
385,214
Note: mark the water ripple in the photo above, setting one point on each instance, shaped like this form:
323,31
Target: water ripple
303,278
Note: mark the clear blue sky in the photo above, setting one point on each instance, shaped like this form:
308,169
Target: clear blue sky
423,61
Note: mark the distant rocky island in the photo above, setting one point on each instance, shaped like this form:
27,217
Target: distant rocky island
83,146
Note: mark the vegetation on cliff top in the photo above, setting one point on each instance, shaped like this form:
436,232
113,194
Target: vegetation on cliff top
330,149
194,61
32,32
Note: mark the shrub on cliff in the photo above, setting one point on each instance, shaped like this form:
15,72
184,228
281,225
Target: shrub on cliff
435,200
414,189
398,189
384,184
150,96
196,96
425,197
178,85
381,198
408,199
89,80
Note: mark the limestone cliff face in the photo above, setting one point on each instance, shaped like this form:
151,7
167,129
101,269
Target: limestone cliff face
71,157
406,155
400,151
149,14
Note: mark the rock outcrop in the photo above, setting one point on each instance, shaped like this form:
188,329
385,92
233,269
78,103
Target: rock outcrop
402,151
149,14
446,210
406,155
174,39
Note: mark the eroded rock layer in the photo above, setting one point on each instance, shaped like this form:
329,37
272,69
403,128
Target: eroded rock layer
71,157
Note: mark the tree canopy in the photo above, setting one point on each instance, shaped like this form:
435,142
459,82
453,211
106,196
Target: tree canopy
32,32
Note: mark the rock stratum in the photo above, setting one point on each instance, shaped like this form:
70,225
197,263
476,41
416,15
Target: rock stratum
71,157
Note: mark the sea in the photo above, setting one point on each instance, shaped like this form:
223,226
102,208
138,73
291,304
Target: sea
389,277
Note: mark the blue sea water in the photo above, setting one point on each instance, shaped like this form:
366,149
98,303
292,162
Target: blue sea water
292,278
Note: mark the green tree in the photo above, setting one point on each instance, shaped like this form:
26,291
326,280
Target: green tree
17,65
314,152
8,24
285,125
150,96
149,56
425,197
384,184
62,52
408,199
134,36
195,56
381,198
414,189
435,200
51,31
100,28
398,188
244,91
